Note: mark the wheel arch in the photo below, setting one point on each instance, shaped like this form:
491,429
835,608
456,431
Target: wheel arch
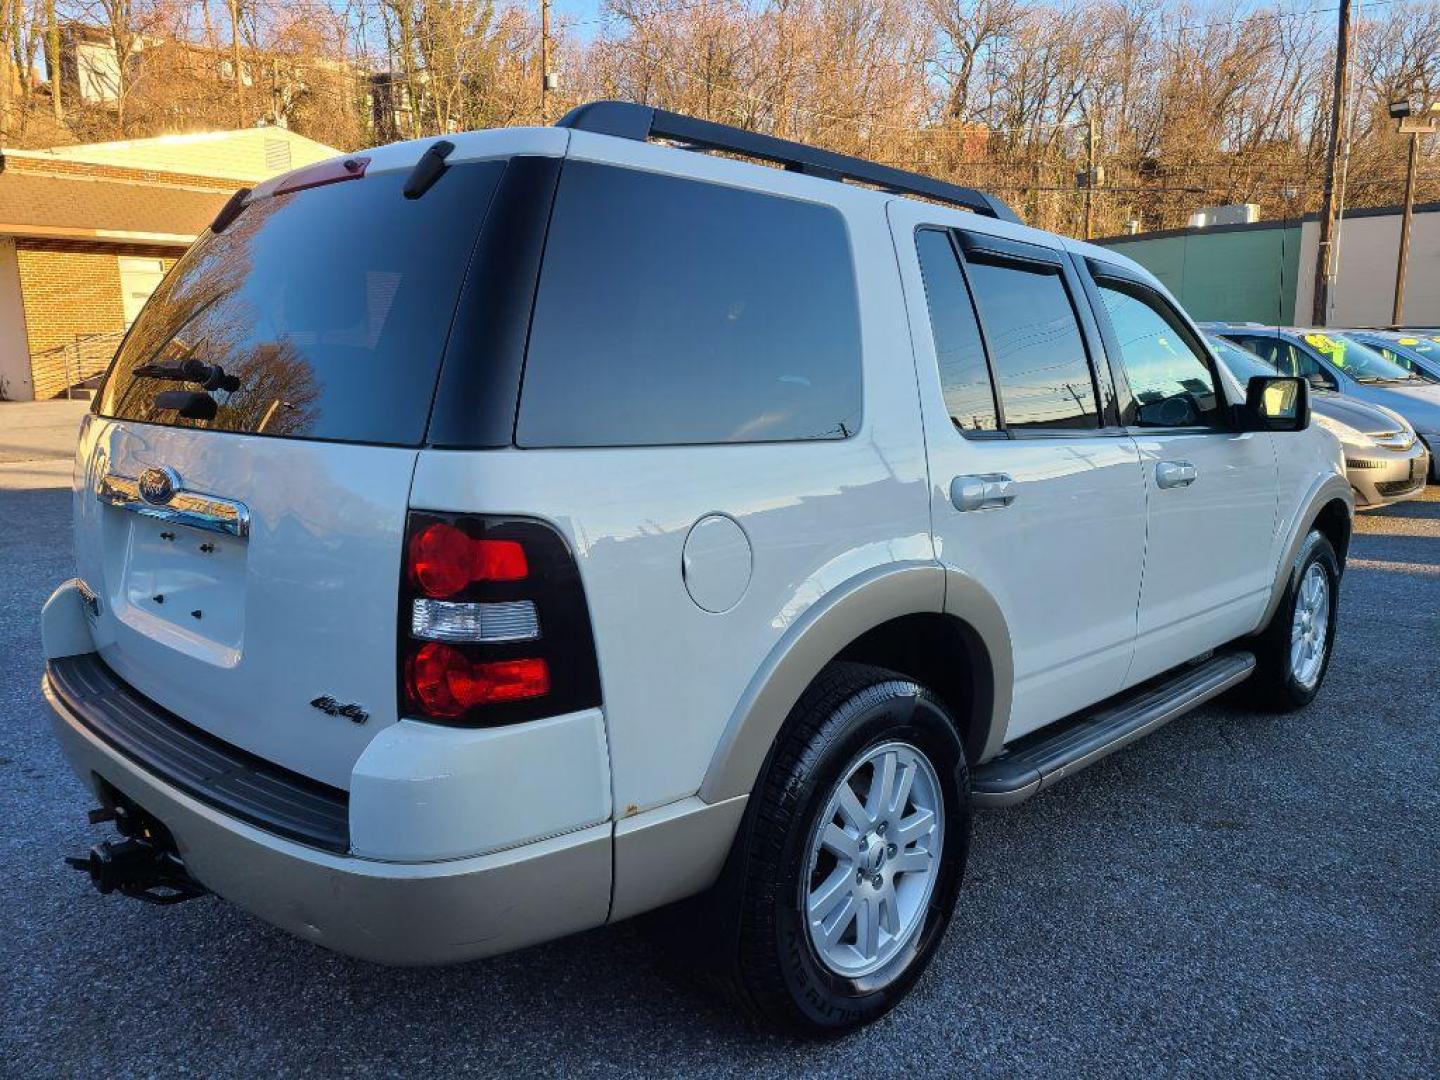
1336,522
1330,508
907,617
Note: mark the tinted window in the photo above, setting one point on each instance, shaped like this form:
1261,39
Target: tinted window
329,306
1035,346
1265,348
1172,385
1243,364
1285,357
1292,360
964,376
673,311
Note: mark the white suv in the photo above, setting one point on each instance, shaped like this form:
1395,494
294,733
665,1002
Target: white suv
484,540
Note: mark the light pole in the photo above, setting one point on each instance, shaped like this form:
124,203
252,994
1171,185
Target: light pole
1427,123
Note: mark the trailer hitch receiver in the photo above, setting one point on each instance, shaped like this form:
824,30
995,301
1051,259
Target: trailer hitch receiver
135,868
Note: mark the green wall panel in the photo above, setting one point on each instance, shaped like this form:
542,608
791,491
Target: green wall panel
1241,275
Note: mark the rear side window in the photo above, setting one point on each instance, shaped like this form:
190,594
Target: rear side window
1276,352
673,311
964,376
1286,358
1041,366
328,307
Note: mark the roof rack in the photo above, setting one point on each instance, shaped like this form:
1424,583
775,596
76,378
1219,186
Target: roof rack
643,123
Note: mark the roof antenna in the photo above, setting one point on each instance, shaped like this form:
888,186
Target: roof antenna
428,169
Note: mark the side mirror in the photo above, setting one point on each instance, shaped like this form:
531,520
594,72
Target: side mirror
1319,381
1276,403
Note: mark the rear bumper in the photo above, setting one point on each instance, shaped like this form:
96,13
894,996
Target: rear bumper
451,845
1380,477
391,913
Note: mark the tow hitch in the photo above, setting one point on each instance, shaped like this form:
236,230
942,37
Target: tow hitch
142,864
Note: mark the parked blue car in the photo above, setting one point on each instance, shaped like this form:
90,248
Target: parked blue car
1417,353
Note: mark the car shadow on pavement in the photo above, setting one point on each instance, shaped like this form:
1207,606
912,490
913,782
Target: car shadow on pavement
1416,508
1397,553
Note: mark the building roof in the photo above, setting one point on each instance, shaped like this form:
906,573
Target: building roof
247,155
164,190
63,207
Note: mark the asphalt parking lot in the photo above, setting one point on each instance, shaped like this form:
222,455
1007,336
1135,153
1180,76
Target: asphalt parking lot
1235,894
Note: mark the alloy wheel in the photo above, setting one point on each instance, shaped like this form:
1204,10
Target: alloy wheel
1309,628
874,860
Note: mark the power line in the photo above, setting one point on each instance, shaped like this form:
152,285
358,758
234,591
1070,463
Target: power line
1276,15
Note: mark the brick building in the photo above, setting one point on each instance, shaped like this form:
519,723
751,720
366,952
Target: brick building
87,232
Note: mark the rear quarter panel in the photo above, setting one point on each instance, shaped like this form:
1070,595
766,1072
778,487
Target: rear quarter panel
815,514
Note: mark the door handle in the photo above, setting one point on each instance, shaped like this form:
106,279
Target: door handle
985,491
1170,474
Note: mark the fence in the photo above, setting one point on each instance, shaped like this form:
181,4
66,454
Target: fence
67,367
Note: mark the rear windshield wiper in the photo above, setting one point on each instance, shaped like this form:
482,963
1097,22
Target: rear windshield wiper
191,404
210,376
133,385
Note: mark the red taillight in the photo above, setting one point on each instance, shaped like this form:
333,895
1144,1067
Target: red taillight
499,560
446,683
493,625
445,560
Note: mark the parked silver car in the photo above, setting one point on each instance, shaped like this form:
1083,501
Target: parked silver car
1332,361
1384,461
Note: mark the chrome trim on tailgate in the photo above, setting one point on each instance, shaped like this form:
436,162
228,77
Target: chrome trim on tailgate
178,506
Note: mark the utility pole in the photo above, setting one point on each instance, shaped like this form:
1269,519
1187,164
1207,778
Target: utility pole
1428,123
235,62
544,61
1091,178
1324,263
1089,171
1397,314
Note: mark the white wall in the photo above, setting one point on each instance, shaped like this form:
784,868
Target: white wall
98,68
251,154
1365,289
15,381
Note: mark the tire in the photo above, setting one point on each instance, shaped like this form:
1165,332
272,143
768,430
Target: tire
1278,683
853,717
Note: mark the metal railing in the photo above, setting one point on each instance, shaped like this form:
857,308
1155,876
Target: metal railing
82,359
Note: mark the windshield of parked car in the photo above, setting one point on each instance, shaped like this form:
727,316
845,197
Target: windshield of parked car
1417,355
1242,363
1360,362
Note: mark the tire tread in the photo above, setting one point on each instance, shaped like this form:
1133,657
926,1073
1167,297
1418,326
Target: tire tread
755,982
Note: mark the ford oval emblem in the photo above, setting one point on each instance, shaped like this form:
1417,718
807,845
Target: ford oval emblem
158,486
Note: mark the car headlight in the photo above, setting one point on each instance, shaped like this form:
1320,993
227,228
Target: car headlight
1344,432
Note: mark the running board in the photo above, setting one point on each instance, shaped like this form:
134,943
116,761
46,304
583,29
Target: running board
1070,745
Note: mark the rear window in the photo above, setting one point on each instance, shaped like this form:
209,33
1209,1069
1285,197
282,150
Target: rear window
675,311
329,307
